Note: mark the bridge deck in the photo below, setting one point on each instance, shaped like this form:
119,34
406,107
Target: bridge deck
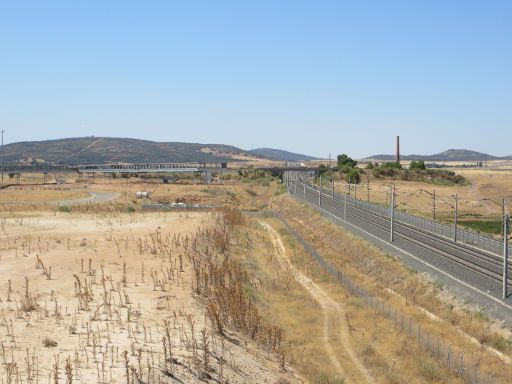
147,167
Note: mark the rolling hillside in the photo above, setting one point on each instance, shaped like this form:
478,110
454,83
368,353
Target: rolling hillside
448,155
87,150
279,154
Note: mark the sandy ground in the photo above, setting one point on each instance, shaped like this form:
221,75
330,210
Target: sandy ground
133,269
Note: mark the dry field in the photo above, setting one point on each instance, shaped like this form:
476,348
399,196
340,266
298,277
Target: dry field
33,194
99,295
491,184
114,298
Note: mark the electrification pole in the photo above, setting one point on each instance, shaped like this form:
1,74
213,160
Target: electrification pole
320,192
456,216
504,228
434,204
2,157
392,211
433,194
505,255
345,205
504,234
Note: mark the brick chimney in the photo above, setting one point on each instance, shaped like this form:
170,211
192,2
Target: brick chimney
398,149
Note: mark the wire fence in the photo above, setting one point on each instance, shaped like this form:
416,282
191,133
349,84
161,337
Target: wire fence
478,240
459,363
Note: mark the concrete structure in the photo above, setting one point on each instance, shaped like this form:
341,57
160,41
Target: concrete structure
398,149
148,167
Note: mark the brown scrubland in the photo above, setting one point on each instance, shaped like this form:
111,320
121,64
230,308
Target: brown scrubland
110,293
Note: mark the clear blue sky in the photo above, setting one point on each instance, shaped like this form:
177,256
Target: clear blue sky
316,77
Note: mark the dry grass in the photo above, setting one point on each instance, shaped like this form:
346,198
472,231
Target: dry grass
484,183
199,296
113,295
408,292
282,301
28,195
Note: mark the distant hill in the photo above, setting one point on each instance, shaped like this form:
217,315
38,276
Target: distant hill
279,154
87,150
448,155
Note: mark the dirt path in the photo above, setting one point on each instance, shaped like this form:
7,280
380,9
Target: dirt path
346,363
477,196
87,147
95,197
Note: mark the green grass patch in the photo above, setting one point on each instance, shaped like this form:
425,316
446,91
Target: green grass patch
486,226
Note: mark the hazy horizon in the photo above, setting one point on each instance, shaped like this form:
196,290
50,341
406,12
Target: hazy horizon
316,78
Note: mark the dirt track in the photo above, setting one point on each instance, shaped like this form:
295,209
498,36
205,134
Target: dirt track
348,365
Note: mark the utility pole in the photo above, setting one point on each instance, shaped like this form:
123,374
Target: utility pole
320,192
2,157
332,183
505,229
433,194
434,204
504,234
345,205
505,253
368,189
392,211
456,216
355,194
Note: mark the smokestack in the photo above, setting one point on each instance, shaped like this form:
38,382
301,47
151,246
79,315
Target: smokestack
398,149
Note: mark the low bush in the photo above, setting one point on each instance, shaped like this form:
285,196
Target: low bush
64,208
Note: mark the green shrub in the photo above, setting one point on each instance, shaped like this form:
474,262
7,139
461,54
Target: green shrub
353,176
417,165
391,165
64,208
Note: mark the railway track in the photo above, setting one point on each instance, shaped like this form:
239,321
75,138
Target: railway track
468,259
